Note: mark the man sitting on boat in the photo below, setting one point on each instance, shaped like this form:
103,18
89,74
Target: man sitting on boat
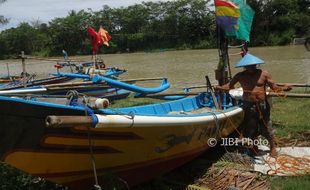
255,105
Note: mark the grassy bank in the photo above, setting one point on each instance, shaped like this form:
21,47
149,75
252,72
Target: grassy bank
290,183
290,116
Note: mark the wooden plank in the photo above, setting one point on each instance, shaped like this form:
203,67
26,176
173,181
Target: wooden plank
217,106
294,84
143,79
287,94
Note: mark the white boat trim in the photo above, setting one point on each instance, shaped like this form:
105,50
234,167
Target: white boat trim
162,121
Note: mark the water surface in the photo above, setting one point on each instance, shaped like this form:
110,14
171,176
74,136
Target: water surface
186,67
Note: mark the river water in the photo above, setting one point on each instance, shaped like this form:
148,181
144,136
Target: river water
187,67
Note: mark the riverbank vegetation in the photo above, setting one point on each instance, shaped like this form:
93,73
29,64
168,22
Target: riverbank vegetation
149,26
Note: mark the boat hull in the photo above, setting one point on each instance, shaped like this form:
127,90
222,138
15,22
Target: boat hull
131,154
38,82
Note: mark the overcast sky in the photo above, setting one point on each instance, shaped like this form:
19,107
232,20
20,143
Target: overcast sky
45,10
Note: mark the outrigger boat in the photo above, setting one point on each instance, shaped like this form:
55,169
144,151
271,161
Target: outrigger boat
99,87
87,67
134,144
56,79
9,79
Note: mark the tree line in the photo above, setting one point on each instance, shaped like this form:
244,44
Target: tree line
181,24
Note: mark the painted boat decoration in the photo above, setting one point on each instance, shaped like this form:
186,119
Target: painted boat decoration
134,144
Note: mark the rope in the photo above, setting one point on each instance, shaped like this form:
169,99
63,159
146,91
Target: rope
72,96
217,124
288,165
90,143
285,164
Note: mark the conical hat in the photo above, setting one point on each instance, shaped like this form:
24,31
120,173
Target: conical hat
249,59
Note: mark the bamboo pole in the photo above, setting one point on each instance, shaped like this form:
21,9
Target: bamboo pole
71,84
216,103
289,95
197,86
8,70
294,84
68,121
271,94
143,79
279,84
22,91
103,83
55,60
169,94
24,69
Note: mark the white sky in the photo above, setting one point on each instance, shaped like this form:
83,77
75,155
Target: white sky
45,10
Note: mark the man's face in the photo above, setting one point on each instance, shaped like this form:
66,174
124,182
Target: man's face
250,68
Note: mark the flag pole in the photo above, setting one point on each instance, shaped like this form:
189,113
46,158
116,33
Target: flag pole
223,71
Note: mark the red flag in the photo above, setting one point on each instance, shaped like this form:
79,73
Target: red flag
95,38
104,36
98,38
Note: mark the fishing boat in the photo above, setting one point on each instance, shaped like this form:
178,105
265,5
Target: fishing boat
62,143
100,86
19,84
78,145
9,79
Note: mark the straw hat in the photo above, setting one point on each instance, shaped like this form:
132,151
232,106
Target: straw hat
249,59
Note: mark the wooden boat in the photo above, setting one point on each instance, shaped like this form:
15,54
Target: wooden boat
110,72
9,79
99,87
134,144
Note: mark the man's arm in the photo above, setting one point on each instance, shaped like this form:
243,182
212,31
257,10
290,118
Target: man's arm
273,85
229,85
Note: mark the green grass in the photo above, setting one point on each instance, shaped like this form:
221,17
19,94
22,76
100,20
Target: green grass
131,101
290,116
290,183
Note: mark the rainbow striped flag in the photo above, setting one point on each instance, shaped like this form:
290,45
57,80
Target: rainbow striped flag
234,17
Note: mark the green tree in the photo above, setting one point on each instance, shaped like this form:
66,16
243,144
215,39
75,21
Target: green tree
69,33
23,38
155,25
277,22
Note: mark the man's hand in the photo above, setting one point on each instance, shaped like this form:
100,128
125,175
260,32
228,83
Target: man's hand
221,88
286,88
